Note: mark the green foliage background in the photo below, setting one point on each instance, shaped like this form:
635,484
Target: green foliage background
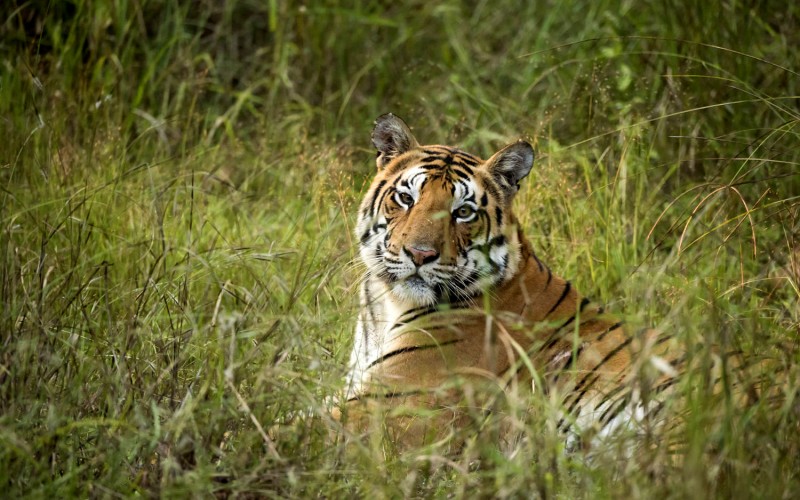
178,190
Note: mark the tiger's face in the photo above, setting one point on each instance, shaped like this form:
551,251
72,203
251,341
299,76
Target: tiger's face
435,225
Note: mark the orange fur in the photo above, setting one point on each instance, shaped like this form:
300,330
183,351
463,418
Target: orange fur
432,353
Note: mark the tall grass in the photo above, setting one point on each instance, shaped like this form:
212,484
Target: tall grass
179,181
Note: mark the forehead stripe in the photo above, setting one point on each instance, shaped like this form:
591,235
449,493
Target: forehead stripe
413,178
433,159
468,159
461,173
399,165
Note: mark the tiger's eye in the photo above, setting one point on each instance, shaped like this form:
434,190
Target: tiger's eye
405,199
465,212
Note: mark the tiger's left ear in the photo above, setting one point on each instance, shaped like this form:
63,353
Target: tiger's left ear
391,137
510,165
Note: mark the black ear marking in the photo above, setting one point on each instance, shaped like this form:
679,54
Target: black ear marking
510,165
391,137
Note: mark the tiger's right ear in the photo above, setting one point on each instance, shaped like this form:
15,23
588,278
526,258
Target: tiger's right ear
391,137
510,165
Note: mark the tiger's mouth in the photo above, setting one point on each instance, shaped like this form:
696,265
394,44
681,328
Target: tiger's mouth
415,280
415,289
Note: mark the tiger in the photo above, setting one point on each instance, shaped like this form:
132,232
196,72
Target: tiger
454,296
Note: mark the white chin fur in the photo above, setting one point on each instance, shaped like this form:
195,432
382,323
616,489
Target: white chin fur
415,294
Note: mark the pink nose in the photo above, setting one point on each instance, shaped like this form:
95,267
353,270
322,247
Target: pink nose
421,256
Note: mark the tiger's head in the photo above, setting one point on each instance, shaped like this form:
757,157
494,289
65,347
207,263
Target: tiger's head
436,224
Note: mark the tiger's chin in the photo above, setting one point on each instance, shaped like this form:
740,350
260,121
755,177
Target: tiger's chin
414,291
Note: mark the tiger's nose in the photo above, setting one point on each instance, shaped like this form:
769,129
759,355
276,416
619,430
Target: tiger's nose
421,256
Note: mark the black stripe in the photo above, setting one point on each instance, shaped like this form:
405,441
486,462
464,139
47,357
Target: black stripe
555,337
432,162
415,310
677,363
573,355
567,322
383,196
420,312
607,417
368,298
366,235
458,162
411,179
666,385
498,214
574,352
383,395
448,160
505,262
371,208
466,157
663,338
607,357
605,360
616,406
411,349
461,174
549,277
655,411
369,232
440,148
560,427
610,329
584,301
488,222
424,183
484,200
560,299
399,165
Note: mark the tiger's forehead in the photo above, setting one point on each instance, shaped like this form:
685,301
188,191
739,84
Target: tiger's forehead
439,161
438,170
419,180
447,157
